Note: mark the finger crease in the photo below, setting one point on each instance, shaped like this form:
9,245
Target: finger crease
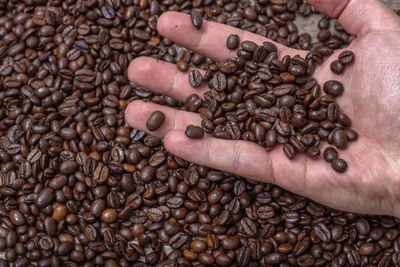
209,147
173,84
271,168
236,159
305,175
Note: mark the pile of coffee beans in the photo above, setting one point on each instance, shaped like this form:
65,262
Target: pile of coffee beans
257,97
79,187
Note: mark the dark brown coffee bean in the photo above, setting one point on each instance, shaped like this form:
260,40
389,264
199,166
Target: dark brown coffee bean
219,82
195,78
339,138
45,197
289,151
249,46
330,154
155,120
351,134
16,217
193,131
206,258
198,246
196,18
339,165
228,66
333,88
182,65
337,67
346,57
366,249
109,216
232,42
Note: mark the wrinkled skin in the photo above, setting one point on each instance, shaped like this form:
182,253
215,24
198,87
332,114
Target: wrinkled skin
371,184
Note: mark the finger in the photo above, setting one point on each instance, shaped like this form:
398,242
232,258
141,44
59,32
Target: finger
138,112
359,16
210,40
246,159
162,77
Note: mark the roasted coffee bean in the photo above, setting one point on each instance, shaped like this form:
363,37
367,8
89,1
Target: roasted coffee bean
346,57
351,134
109,215
337,67
198,246
339,138
182,65
330,154
333,88
155,120
233,41
339,165
193,131
195,78
197,20
219,82
249,46
289,151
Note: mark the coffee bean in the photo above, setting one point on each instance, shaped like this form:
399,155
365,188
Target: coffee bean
232,42
59,213
198,246
249,46
339,165
333,88
193,131
366,249
196,18
195,78
109,216
16,217
330,154
182,65
155,120
45,197
289,151
346,57
337,67
219,82
206,258
339,138
351,134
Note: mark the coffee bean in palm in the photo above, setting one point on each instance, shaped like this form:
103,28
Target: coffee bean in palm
155,120
346,57
351,134
195,78
233,41
219,82
249,46
339,165
339,138
195,132
182,65
289,151
196,18
337,67
330,154
333,88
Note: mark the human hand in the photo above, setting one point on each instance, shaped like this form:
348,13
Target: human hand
372,182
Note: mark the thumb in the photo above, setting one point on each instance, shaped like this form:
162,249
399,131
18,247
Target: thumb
358,17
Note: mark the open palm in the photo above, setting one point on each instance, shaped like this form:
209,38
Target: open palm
372,182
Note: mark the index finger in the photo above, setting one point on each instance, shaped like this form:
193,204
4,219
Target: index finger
210,40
